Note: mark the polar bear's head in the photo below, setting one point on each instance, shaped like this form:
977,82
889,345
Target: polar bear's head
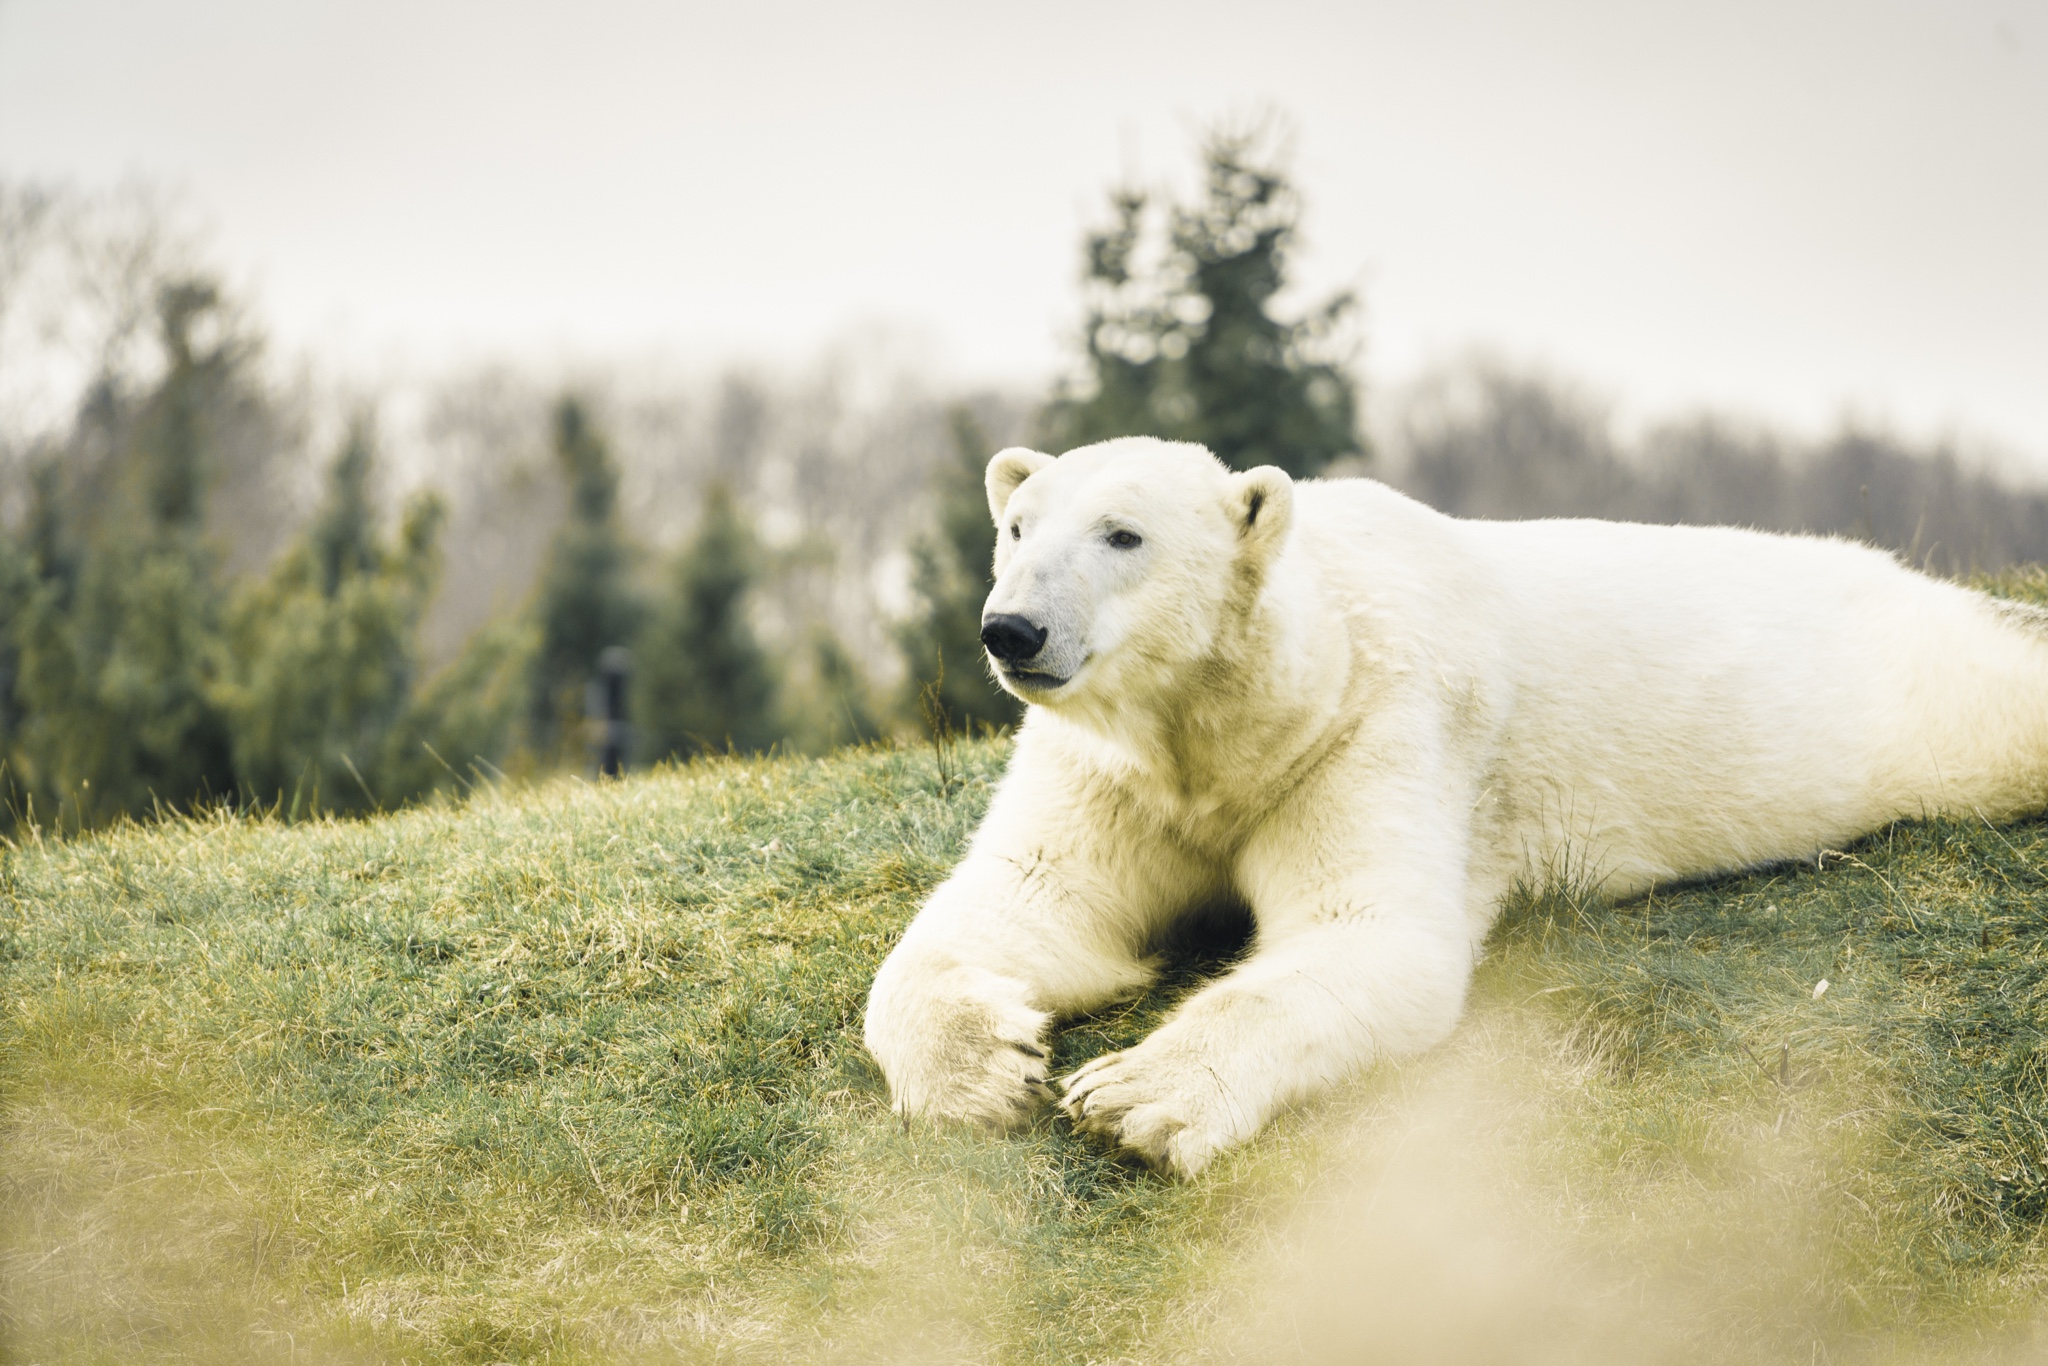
1117,565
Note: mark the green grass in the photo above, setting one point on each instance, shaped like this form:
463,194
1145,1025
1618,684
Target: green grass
573,1073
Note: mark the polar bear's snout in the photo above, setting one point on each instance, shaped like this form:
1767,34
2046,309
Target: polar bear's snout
1036,624
1012,638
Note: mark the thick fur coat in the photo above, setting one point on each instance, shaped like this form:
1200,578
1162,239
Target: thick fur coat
1369,721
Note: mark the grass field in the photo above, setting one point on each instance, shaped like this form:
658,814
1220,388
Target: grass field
572,1073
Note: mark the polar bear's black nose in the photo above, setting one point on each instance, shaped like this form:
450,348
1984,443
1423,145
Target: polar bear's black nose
1011,638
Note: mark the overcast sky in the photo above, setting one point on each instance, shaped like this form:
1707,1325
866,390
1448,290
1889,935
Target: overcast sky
1796,210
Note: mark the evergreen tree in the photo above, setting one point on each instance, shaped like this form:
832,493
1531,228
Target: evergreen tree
343,541
129,679
1181,342
826,701
38,573
323,652
461,726
701,680
117,672
842,694
174,475
18,585
587,602
952,572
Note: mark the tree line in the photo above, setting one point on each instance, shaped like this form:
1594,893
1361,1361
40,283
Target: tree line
1497,442
151,662
140,672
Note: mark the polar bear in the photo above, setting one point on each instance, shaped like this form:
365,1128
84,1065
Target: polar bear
1368,720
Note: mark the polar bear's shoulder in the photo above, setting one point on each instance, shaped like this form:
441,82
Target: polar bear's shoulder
1360,495
1351,507
1341,523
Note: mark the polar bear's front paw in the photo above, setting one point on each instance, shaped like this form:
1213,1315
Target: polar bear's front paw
1165,1106
976,1062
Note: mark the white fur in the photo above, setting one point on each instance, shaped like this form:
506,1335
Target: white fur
1369,721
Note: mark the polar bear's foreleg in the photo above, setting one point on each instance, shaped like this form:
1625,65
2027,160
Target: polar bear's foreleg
1363,952
1289,1023
1044,920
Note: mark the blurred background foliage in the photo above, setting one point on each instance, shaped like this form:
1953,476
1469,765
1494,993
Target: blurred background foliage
219,583
1181,338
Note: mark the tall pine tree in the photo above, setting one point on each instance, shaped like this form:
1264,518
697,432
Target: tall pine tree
587,602
701,681
1181,341
118,672
323,652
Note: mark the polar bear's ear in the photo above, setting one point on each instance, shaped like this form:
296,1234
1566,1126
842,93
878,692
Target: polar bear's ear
1008,469
1261,504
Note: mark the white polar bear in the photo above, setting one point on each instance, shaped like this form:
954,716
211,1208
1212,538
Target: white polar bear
1368,720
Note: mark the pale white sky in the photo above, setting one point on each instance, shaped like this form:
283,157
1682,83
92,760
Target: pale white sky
1794,208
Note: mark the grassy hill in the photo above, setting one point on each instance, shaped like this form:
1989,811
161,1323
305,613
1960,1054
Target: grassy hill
572,1073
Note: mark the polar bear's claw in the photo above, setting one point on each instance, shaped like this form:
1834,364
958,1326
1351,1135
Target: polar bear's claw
1133,1102
986,1068
959,1045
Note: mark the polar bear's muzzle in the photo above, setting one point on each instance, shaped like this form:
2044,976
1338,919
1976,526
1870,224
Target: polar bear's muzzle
1011,638
1016,643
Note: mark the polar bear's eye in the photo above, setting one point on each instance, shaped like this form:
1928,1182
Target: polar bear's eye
1126,540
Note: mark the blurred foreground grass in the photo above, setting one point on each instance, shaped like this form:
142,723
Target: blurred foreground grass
573,1073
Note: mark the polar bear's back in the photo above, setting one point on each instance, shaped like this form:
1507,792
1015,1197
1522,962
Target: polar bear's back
1677,700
